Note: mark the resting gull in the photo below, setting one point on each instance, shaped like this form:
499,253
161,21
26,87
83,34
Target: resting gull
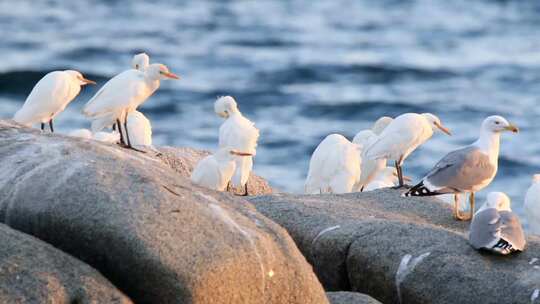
496,228
468,169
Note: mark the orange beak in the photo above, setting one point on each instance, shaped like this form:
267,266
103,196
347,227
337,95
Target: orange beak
171,75
443,128
241,153
88,81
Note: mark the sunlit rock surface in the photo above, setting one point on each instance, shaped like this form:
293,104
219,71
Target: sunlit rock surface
144,226
395,249
32,271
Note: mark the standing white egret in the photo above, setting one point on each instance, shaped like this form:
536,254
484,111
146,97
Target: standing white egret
122,95
496,228
334,166
532,205
469,169
50,96
215,171
140,62
402,136
240,134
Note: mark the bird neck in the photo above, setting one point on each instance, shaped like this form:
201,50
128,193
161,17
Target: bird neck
489,143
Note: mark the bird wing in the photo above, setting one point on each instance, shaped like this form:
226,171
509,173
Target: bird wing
206,172
48,96
334,156
119,92
398,138
485,229
461,170
139,129
511,230
239,133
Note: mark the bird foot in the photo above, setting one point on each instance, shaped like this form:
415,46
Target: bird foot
405,186
460,217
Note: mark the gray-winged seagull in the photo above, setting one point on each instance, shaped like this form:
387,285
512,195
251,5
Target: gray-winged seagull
468,169
496,228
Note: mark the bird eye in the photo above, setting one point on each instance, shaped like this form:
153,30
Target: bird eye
497,123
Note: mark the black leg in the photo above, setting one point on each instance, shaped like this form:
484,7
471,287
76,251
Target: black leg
51,126
127,133
245,190
42,126
114,127
400,174
228,186
362,189
122,141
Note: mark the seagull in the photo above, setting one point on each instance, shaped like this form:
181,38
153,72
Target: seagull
532,205
215,171
50,96
366,138
239,134
402,136
334,166
468,169
122,95
496,228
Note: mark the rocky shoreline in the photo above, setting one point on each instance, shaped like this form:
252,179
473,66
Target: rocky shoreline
117,226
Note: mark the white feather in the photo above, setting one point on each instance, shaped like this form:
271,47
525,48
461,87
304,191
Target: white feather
532,205
214,171
334,166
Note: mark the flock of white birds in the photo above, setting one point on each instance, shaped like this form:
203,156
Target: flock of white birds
337,165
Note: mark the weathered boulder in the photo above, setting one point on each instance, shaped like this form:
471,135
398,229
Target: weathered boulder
183,160
152,233
32,271
345,297
396,249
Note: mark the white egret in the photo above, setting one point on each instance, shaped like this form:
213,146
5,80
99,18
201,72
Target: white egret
140,62
496,228
139,129
215,171
240,134
365,138
122,95
469,169
334,166
108,137
385,178
532,205
50,96
402,136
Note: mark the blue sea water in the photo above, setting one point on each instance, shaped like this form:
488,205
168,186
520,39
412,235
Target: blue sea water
300,69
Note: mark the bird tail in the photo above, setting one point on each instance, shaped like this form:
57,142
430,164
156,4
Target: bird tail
420,190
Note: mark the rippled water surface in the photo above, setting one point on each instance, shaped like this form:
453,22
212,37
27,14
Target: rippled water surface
300,69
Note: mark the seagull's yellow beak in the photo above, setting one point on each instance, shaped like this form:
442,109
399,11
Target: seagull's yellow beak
512,128
443,128
171,75
87,81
